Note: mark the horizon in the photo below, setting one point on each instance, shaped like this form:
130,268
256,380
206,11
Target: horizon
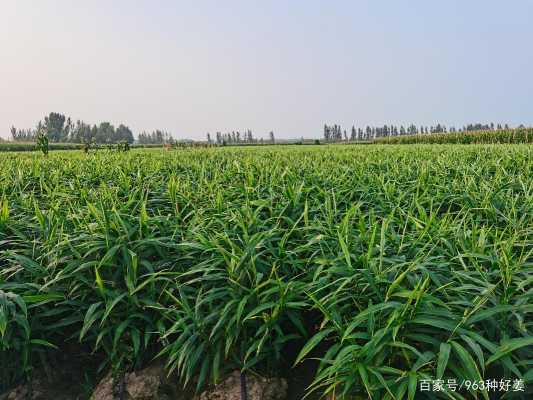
211,136
190,69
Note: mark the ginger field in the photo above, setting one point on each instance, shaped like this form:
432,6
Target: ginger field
392,265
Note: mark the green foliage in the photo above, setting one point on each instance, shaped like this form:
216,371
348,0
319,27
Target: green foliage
14,337
4,212
30,146
87,147
24,147
391,264
17,347
123,146
42,143
60,129
517,135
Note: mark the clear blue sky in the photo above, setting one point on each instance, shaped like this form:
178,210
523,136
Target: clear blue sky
192,67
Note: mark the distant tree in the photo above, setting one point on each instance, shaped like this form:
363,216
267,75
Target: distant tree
54,126
105,133
65,135
59,128
123,134
272,138
156,137
81,133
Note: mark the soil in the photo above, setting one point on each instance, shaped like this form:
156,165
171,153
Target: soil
70,377
74,376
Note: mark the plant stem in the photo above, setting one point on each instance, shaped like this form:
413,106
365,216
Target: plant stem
244,395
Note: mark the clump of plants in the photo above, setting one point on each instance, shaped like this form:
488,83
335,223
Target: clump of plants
42,142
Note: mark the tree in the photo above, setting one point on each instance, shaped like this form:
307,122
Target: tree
105,133
59,128
249,136
272,139
123,134
65,135
156,137
81,133
54,126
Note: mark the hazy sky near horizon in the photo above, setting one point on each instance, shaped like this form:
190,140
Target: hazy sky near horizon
288,66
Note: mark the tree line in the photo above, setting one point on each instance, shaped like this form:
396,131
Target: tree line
156,137
61,129
334,133
236,137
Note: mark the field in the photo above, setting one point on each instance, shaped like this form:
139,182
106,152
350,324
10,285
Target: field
30,146
392,264
498,136
514,135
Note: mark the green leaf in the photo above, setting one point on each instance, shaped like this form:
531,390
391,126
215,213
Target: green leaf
119,331
136,340
259,309
510,346
413,380
42,342
312,343
91,316
444,355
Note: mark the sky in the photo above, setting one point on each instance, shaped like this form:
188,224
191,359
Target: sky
192,67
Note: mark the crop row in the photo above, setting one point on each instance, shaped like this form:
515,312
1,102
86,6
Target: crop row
391,264
501,136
